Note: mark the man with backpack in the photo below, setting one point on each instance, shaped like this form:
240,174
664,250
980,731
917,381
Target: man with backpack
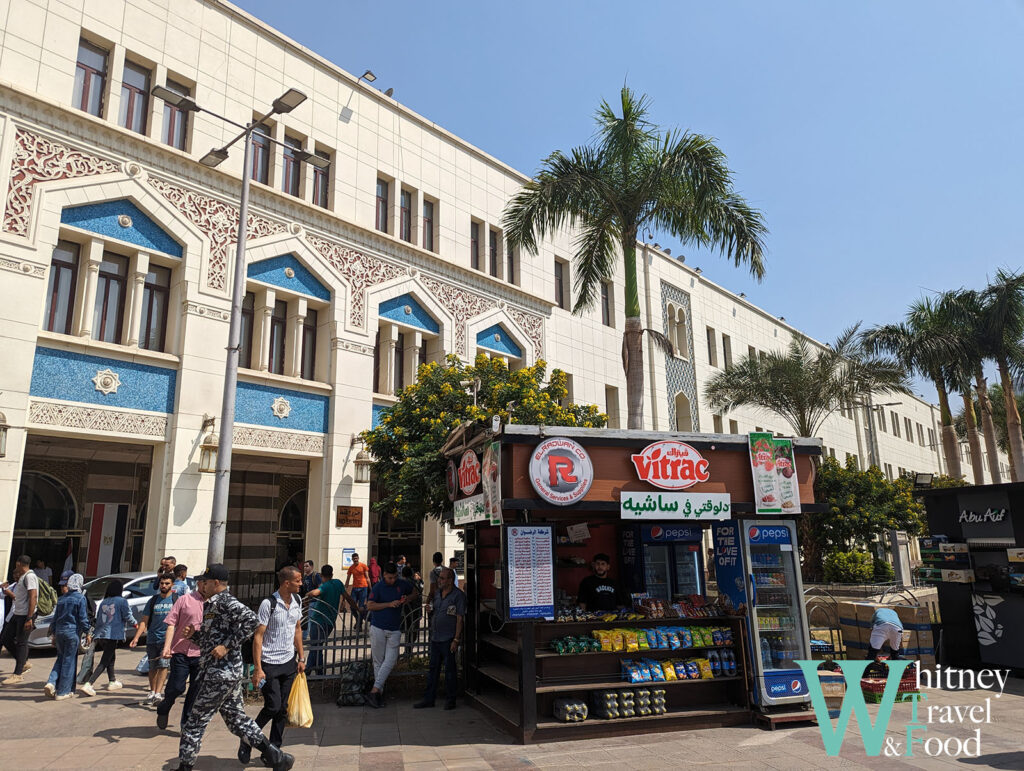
153,626
277,655
26,594
323,613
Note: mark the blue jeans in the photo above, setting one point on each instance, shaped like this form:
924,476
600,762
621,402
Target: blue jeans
317,639
360,595
67,662
183,669
441,653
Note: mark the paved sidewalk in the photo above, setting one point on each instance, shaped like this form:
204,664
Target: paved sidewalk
111,731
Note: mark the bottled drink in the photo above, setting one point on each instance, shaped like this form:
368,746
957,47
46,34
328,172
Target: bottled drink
766,653
716,664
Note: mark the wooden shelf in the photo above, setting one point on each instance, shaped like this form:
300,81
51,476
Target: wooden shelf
500,642
544,654
676,714
622,684
506,676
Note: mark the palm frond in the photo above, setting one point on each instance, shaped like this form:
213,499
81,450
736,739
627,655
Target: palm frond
661,341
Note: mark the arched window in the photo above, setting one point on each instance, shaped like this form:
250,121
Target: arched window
293,514
44,503
680,337
684,420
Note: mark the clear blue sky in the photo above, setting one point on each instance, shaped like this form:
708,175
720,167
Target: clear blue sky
884,141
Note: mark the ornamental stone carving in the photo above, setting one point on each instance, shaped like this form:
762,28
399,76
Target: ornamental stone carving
279,440
218,221
16,266
39,159
360,270
107,381
96,419
339,344
281,408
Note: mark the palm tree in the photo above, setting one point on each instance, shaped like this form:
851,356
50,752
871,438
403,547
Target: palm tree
804,384
634,177
1002,327
963,308
924,343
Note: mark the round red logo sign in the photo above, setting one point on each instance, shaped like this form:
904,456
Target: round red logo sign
469,472
670,465
451,480
561,471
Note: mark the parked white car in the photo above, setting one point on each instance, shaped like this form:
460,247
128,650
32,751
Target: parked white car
138,588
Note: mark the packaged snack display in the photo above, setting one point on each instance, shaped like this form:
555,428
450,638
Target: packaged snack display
705,668
618,643
654,667
632,644
652,638
632,673
680,668
716,635
669,670
673,640
692,670
685,637
641,637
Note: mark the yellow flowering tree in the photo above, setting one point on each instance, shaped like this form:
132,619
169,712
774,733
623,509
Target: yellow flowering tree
406,444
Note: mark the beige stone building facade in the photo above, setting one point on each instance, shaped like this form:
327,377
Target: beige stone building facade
116,250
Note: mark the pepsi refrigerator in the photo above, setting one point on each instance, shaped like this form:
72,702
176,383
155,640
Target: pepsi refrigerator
664,559
757,566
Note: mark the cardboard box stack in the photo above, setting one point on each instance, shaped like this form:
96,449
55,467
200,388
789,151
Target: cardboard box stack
918,640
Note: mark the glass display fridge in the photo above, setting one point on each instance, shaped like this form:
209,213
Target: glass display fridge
664,560
757,566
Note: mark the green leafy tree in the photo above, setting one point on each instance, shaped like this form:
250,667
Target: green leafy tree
805,384
924,343
406,444
632,178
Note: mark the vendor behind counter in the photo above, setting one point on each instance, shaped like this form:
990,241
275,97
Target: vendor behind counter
601,592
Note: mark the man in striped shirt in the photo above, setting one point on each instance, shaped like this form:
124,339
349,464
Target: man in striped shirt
277,655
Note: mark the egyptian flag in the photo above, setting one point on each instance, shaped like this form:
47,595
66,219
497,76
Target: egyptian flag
106,538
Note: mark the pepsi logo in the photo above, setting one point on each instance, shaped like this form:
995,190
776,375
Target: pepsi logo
754,533
796,686
657,531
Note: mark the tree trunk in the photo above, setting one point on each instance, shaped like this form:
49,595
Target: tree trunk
633,364
1014,437
973,440
949,446
988,426
632,345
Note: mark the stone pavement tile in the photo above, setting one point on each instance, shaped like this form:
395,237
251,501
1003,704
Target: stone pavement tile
381,761
426,765
468,764
458,752
417,754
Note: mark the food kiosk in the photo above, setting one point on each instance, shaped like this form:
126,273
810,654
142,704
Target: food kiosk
975,557
676,652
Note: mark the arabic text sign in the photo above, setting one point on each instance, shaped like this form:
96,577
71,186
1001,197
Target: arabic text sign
642,505
469,510
531,585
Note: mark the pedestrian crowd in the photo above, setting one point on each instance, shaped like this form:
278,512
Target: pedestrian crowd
199,642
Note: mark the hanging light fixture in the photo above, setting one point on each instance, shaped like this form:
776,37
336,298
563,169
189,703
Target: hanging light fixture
208,447
363,462
3,435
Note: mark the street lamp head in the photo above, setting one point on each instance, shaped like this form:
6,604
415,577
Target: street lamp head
173,98
208,453
368,76
289,100
312,159
3,434
214,158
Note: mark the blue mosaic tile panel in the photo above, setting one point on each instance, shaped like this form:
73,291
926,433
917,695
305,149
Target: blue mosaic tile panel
305,412
378,410
101,219
272,272
417,316
71,377
679,373
495,338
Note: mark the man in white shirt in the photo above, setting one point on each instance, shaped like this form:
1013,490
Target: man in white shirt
25,592
42,572
277,655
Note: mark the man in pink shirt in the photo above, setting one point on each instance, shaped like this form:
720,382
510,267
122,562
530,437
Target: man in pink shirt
184,655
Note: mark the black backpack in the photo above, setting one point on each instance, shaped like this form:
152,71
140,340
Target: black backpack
247,645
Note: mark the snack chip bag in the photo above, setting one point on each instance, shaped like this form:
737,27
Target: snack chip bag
662,638
673,640
680,667
631,672
558,646
645,671
605,639
692,670
641,637
705,669
618,642
685,637
657,673
652,638
716,636
630,639
727,636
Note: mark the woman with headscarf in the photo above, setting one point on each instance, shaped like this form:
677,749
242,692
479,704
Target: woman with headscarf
113,616
374,571
70,622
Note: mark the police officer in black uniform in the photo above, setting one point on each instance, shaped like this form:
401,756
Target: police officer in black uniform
227,625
